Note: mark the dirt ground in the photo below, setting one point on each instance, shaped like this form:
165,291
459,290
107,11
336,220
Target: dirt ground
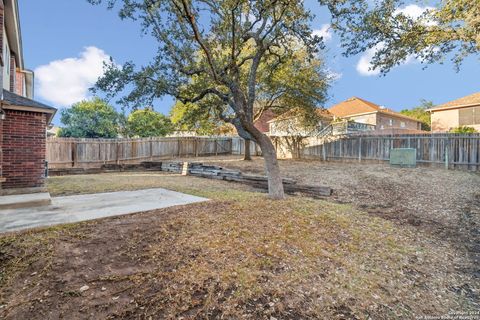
443,203
390,244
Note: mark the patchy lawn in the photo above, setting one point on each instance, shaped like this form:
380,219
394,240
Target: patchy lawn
240,255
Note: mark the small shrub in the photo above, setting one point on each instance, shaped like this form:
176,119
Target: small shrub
463,129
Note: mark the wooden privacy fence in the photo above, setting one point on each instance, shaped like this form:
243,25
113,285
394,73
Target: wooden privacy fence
450,150
238,147
88,153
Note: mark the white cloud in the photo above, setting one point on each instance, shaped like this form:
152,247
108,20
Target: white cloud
414,11
364,66
324,32
64,82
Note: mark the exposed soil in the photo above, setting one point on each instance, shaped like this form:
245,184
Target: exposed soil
406,248
442,203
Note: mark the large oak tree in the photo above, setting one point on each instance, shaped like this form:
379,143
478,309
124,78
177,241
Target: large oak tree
210,48
430,31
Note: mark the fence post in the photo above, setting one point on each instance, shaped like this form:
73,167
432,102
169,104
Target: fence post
446,153
74,153
360,150
117,161
216,146
324,155
151,149
195,146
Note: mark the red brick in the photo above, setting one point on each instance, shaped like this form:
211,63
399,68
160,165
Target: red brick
23,139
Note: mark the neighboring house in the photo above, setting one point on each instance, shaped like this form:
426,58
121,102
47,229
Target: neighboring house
262,123
23,121
183,133
289,124
457,113
366,112
52,131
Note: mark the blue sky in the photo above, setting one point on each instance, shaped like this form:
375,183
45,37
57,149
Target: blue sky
65,42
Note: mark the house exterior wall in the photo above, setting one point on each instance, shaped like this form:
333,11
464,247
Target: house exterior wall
20,83
23,149
6,61
293,127
391,122
384,121
445,120
365,118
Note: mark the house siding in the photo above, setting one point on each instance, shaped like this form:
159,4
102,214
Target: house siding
445,120
23,149
366,119
382,121
390,122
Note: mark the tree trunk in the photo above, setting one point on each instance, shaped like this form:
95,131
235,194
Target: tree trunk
275,183
247,156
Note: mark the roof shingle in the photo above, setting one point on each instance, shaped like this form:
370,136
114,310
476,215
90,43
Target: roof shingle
355,105
472,99
17,100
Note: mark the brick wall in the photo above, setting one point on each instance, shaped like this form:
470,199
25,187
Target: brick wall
13,72
1,29
20,80
23,149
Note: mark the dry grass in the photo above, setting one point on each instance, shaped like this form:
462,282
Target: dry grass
238,256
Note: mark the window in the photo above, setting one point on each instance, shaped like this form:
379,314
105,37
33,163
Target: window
390,122
402,124
469,116
381,127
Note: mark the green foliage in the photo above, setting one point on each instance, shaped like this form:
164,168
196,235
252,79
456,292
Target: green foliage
217,52
451,29
196,117
300,86
463,129
89,119
421,114
148,123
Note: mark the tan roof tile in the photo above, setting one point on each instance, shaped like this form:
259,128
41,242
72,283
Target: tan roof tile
355,105
472,99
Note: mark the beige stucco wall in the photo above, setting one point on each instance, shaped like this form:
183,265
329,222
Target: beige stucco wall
383,121
445,120
366,118
380,119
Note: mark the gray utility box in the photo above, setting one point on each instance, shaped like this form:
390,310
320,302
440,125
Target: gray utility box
403,157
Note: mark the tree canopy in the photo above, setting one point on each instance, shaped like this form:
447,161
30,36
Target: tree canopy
397,32
214,50
421,114
148,123
89,119
194,117
298,86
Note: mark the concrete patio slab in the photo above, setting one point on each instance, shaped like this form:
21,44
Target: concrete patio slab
92,206
24,200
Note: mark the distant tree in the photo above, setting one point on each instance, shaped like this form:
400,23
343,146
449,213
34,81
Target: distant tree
89,119
463,129
397,32
222,45
148,123
421,114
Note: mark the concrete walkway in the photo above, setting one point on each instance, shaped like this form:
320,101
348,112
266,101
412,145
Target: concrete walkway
92,206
